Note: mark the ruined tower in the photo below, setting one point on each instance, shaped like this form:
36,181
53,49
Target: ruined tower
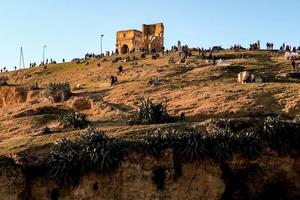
153,37
128,40
150,39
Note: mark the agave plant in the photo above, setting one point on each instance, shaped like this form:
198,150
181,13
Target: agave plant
73,120
248,144
99,153
153,143
152,113
220,144
58,92
63,163
190,145
34,86
281,135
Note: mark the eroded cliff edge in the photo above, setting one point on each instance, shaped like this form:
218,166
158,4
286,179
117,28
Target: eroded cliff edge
273,174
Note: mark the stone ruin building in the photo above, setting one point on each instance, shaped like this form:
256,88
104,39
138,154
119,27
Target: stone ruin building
151,38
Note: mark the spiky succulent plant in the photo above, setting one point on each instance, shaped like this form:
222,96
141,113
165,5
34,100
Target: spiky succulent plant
220,144
64,164
151,113
99,153
58,92
248,144
190,145
74,120
281,135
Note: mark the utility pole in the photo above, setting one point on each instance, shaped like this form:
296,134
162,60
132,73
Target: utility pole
101,44
22,58
44,47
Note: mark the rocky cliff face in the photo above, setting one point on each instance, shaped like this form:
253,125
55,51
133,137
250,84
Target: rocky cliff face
10,96
12,181
142,176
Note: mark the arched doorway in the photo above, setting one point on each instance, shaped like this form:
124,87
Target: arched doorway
124,49
155,44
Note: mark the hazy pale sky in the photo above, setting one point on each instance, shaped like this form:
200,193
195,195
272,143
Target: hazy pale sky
72,28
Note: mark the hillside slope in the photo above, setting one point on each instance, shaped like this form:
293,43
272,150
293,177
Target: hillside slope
200,90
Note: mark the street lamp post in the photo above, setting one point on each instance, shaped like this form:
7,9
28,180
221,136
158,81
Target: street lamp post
101,45
44,47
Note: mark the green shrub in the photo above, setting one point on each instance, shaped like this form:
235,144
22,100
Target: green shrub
45,131
152,113
73,120
3,81
99,153
248,144
58,92
282,136
190,145
92,151
64,164
34,86
154,142
220,145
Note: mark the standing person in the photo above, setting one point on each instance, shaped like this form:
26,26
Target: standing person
294,65
214,60
203,55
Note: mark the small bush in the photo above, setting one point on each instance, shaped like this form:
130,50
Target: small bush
45,131
64,164
188,144
282,136
99,153
34,86
191,147
248,144
58,92
3,81
220,145
92,151
73,120
154,142
152,113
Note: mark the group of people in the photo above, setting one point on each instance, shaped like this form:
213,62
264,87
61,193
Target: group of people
289,48
255,46
4,69
236,47
270,46
31,65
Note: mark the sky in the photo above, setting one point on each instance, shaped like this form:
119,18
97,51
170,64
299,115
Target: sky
70,29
